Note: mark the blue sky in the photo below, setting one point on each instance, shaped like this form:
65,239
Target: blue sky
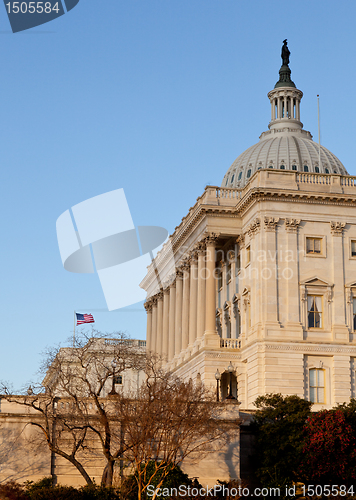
158,98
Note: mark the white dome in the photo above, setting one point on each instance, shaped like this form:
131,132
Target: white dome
285,145
287,149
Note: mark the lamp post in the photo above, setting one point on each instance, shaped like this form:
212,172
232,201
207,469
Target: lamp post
114,365
218,377
230,370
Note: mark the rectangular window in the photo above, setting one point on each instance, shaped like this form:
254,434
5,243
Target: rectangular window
118,379
353,248
315,311
248,255
317,385
354,313
314,246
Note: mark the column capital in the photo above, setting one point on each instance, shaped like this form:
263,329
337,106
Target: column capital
200,248
292,225
179,273
337,228
185,265
240,240
211,238
166,290
159,295
254,227
271,223
148,305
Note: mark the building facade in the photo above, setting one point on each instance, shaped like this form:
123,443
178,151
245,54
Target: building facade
265,273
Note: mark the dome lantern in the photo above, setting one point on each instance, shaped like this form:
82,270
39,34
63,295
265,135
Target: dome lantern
285,97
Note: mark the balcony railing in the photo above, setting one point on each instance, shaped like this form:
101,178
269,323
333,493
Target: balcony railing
230,343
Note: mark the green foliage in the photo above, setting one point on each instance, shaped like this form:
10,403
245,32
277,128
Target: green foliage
279,431
174,479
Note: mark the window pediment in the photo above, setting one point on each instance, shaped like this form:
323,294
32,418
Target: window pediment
315,281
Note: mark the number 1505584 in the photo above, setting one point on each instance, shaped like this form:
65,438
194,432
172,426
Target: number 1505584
32,7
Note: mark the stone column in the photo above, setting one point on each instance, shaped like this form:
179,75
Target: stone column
210,300
269,274
148,307
185,306
178,313
172,319
285,107
339,328
154,325
193,299
290,272
159,323
165,329
201,291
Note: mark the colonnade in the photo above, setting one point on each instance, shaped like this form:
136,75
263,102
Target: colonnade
185,308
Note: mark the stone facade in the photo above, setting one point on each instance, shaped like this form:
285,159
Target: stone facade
265,273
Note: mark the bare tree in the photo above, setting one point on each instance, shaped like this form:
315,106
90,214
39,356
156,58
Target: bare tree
163,423
170,421
76,411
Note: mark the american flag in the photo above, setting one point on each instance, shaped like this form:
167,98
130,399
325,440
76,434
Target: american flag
84,318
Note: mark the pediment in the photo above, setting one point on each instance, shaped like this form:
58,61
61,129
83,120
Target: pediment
351,285
316,281
245,291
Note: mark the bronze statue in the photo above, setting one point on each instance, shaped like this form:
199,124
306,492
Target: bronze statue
285,53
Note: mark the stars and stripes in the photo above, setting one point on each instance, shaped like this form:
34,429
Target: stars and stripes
84,318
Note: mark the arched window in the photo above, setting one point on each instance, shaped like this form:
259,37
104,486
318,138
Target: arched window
248,173
227,180
317,170
317,385
326,170
306,168
294,167
282,167
240,175
232,178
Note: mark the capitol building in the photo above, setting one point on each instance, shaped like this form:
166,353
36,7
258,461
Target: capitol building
264,280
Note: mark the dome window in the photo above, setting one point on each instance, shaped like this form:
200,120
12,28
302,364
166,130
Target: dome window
335,171
259,168
240,175
306,168
317,170
326,170
248,173
232,178
227,180
282,167
294,167
271,166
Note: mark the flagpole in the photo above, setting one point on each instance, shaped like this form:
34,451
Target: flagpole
319,133
74,331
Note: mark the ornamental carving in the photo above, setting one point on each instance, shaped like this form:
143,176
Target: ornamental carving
148,306
292,225
254,227
227,317
337,228
211,238
240,240
271,223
